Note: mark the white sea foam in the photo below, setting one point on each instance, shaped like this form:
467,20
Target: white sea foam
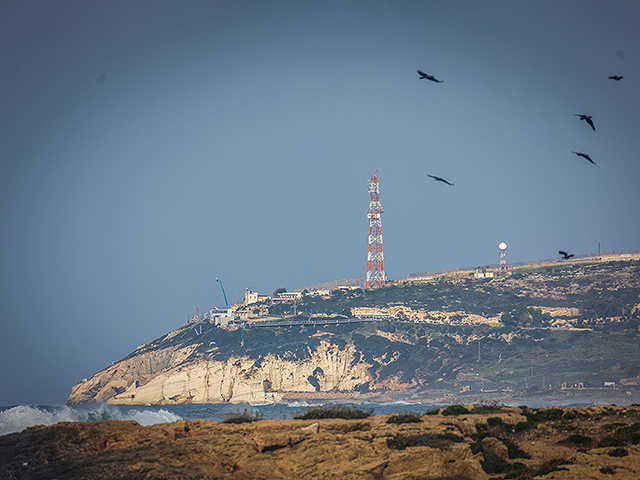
16,419
297,404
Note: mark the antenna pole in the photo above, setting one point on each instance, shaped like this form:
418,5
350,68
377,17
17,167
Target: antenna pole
375,257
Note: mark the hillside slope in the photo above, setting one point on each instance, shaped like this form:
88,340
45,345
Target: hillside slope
559,327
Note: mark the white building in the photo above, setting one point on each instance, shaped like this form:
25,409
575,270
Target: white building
219,317
287,296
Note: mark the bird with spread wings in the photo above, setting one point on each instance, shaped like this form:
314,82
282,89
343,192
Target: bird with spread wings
426,76
588,119
584,155
439,179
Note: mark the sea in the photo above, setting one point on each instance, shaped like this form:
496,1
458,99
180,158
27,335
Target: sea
19,417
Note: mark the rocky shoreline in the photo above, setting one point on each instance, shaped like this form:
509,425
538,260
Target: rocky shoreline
470,442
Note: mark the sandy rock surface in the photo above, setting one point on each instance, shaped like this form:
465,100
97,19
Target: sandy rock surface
453,447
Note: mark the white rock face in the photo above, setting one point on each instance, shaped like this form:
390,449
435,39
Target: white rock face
236,380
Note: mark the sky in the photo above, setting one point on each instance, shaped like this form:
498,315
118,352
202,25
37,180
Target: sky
150,147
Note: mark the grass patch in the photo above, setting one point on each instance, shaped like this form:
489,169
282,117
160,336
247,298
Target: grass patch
346,412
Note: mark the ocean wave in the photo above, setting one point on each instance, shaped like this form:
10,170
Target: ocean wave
20,417
297,404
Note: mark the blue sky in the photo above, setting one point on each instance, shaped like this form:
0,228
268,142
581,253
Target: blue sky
150,147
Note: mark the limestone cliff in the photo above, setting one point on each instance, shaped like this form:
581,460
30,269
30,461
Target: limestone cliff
172,376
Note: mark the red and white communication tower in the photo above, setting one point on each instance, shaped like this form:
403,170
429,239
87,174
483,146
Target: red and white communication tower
375,257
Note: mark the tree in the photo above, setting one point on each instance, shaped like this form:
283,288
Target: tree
507,320
278,291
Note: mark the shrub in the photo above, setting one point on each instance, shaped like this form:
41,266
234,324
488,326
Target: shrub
476,447
347,412
550,414
442,440
577,439
242,417
551,465
481,427
405,417
435,411
523,426
618,452
494,421
622,436
487,406
455,410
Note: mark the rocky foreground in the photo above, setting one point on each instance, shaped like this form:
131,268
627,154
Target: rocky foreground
471,442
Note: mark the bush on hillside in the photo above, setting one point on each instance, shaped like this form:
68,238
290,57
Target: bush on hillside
346,412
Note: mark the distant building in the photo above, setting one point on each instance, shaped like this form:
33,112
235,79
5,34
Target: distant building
253,297
287,296
219,317
314,293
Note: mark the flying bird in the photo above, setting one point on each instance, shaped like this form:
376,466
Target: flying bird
439,179
425,76
616,77
565,255
588,119
584,155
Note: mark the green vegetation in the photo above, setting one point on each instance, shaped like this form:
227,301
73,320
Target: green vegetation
577,439
623,435
405,417
494,421
455,410
441,440
245,416
346,412
618,452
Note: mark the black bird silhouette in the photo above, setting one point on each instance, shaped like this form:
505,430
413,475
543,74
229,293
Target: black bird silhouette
425,76
616,77
565,254
588,119
439,179
584,155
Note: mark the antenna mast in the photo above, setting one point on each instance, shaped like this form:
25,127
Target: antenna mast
375,257
503,257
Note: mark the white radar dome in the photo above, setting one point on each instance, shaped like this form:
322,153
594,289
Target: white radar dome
502,246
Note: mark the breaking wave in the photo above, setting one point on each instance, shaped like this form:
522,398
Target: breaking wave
18,418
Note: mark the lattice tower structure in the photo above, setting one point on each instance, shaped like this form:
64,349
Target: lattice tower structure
503,256
375,256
